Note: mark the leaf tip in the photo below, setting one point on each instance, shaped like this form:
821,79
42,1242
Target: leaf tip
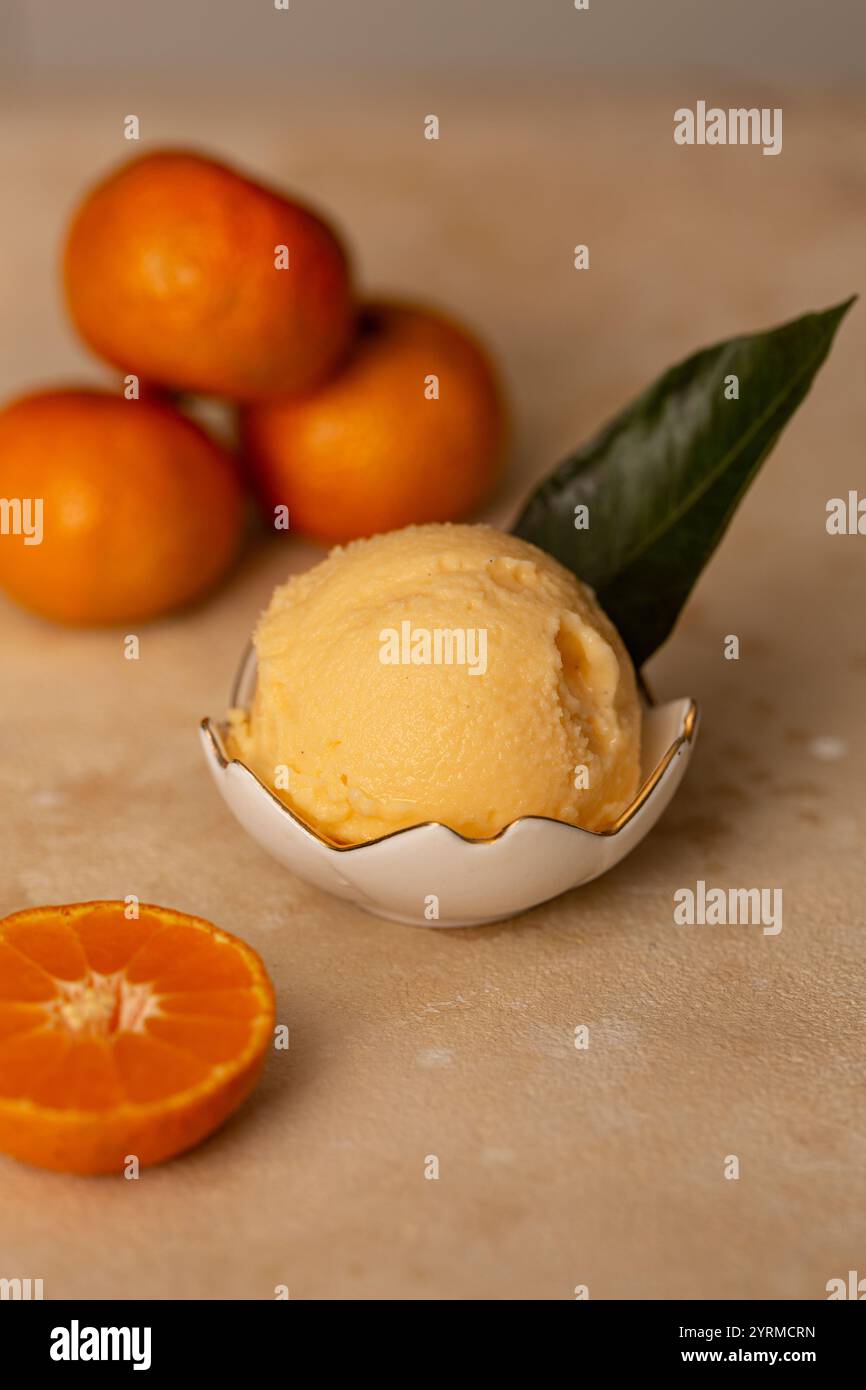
841,309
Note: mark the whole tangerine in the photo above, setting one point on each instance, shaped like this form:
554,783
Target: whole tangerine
117,510
181,269
410,430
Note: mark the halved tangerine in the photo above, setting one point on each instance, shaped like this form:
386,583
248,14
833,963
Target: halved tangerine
123,1037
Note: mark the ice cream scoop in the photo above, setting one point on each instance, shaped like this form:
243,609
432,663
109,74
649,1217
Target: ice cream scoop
440,673
431,876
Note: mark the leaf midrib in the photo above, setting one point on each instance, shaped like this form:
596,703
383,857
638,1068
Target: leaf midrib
712,478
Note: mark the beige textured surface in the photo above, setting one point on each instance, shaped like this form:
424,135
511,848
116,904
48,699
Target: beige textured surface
557,1166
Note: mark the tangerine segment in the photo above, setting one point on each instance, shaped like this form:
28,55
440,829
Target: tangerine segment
123,1037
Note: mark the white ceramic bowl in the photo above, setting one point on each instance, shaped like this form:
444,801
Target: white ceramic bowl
407,874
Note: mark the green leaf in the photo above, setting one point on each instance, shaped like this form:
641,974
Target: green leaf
664,478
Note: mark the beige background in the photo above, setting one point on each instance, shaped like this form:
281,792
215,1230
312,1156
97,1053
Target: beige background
765,38
558,1167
